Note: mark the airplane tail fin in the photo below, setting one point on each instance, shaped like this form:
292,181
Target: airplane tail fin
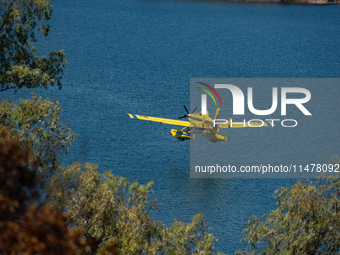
217,114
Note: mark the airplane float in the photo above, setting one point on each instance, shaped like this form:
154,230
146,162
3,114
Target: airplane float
202,124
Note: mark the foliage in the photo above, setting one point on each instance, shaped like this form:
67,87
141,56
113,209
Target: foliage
110,210
307,221
98,205
186,238
36,125
19,64
26,228
17,186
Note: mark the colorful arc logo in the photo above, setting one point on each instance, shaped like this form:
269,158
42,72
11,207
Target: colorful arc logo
208,92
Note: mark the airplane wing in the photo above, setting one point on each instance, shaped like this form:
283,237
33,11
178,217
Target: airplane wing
161,120
246,124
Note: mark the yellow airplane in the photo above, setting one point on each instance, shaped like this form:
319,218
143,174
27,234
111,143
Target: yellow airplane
203,124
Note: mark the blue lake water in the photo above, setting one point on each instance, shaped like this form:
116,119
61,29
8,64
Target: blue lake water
137,56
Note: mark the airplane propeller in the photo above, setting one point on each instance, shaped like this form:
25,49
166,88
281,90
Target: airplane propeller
186,116
186,109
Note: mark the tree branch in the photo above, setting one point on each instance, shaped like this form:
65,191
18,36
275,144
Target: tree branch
3,24
4,89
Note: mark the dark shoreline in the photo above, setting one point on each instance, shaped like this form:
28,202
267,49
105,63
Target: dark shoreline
310,2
